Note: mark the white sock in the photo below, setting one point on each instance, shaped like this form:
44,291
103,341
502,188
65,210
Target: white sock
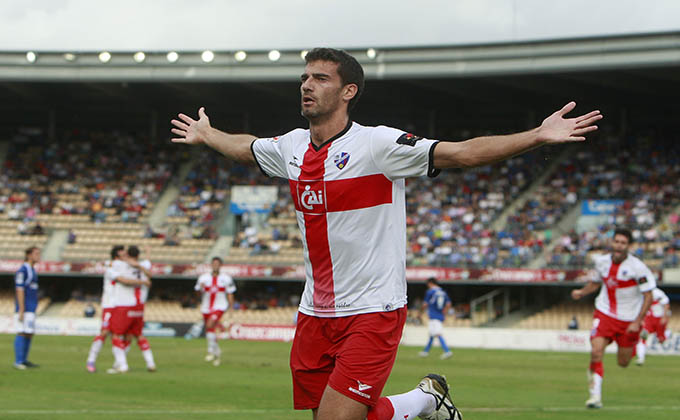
411,404
595,385
95,348
119,356
211,337
641,349
148,358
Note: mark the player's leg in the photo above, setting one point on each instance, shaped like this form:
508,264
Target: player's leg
119,325
447,352
641,348
145,347
28,330
363,364
209,337
596,371
96,347
214,351
625,355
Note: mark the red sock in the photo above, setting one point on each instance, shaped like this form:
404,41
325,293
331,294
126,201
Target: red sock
383,410
598,368
117,342
143,344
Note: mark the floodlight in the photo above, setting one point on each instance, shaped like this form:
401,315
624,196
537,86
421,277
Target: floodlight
69,57
207,56
303,54
240,55
31,57
370,53
139,57
104,56
172,56
274,55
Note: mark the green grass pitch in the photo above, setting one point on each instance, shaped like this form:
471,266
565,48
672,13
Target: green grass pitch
254,382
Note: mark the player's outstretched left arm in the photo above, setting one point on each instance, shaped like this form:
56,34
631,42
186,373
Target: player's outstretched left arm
555,129
589,288
233,146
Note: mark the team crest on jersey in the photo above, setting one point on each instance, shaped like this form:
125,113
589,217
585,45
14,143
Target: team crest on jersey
341,160
408,139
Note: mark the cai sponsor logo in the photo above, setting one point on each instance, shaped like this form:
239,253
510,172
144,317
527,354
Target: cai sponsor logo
310,198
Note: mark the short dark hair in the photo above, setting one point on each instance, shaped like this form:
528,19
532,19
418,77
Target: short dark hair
115,250
625,232
433,280
133,251
28,251
216,258
349,69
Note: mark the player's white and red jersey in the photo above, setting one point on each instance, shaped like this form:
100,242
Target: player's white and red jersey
349,198
214,290
139,274
108,287
659,301
622,286
125,295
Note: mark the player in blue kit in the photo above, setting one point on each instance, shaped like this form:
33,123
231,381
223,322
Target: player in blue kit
26,302
437,303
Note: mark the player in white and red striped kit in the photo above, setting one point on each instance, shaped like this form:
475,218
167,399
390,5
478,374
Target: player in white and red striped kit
626,286
133,279
656,322
217,290
347,183
107,304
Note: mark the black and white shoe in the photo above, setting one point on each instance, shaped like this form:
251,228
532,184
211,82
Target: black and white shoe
436,386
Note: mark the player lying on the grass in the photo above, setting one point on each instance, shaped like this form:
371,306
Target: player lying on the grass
656,322
107,303
347,184
217,296
25,304
133,279
625,285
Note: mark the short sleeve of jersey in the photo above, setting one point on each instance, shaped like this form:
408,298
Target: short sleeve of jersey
231,287
646,279
401,155
599,262
146,264
661,297
20,278
117,269
269,156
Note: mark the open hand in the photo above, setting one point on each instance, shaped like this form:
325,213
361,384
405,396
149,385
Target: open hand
189,130
557,129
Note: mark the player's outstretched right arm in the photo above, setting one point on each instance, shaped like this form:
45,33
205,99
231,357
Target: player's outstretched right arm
233,146
589,288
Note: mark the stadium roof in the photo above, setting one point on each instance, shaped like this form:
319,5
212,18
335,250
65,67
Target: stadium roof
584,54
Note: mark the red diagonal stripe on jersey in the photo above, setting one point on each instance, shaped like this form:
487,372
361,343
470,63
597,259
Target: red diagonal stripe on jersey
611,291
350,194
316,233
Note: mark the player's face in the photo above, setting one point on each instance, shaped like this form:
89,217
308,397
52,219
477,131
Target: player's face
321,90
216,265
35,255
620,247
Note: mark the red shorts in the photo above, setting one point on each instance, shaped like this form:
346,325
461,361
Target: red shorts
353,355
653,325
107,313
214,315
128,320
613,329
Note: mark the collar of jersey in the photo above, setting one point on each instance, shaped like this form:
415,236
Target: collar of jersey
335,137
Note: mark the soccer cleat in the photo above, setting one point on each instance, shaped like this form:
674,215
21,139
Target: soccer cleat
91,367
594,402
30,364
436,386
19,366
639,362
423,354
446,355
216,362
209,357
115,370
151,368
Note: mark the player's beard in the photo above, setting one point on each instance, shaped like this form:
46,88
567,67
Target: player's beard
321,110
